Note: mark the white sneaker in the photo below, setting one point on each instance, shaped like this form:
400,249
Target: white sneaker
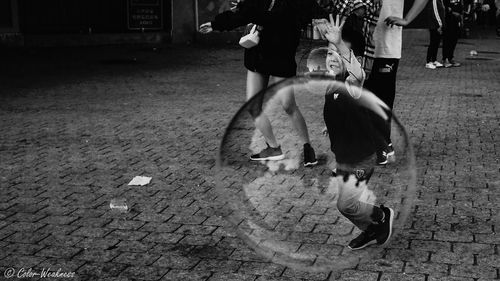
438,64
430,65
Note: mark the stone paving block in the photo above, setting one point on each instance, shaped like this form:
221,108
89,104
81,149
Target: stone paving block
136,259
126,235
177,261
402,277
270,278
57,229
436,269
64,264
407,255
232,276
58,220
266,269
449,278
60,240
25,237
144,273
473,248
352,275
58,252
99,271
23,226
126,224
452,257
474,271
160,227
96,255
18,261
91,222
382,265
196,229
96,232
431,246
218,265
188,275
96,243
162,237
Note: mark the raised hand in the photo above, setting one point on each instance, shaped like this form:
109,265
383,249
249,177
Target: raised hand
332,30
206,28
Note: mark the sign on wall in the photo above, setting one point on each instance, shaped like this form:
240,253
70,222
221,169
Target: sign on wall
145,14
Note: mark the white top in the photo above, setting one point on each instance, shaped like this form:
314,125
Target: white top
388,40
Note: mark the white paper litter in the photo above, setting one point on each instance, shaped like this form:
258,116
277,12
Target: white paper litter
140,180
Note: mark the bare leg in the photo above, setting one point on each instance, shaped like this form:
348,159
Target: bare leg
291,108
255,83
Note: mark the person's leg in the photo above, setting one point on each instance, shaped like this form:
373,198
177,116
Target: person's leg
454,34
382,83
450,39
287,98
356,203
432,50
290,106
256,82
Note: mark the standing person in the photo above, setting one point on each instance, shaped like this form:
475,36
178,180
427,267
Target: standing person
451,31
353,141
274,56
388,38
436,26
435,31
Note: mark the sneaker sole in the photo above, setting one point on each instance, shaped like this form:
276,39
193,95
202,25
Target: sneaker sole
364,246
390,227
308,164
270,158
382,163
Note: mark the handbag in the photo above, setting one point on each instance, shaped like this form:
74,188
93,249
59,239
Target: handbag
252,39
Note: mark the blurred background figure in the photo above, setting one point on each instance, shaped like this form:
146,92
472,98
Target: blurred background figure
453,21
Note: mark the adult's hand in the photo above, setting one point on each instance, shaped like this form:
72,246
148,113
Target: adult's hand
392,21
206,28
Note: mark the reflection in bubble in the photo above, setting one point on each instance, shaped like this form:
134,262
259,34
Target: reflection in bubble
289,213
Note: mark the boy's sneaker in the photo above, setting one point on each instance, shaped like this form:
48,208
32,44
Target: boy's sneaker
309,156
437,64
430,65
384,228
269,153
366,238
381,157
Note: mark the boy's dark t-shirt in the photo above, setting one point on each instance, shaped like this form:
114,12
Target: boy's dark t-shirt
350,127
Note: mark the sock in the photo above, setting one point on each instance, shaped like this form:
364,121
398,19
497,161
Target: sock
378,215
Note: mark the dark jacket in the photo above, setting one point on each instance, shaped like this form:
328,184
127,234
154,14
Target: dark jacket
279,39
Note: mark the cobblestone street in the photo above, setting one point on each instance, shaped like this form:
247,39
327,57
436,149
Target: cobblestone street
77,124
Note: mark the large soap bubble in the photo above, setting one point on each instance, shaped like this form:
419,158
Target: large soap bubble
288,213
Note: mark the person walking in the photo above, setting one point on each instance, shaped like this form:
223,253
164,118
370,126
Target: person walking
274,57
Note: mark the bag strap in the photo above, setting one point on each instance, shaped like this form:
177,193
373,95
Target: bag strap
271,6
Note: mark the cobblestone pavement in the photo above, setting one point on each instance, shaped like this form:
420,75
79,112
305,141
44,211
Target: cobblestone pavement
78,124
